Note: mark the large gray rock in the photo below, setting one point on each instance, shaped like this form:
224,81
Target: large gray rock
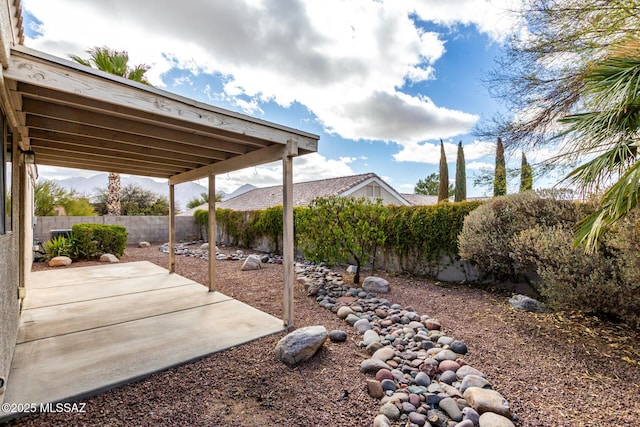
375,284
381,420
372,366
252,262
525,303
109,258
301,344
60,261
473,381
486,400
489,419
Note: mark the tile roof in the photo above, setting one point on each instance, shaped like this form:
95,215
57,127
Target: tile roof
303,193
420,199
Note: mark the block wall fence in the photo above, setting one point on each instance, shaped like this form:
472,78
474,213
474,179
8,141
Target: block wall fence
153,229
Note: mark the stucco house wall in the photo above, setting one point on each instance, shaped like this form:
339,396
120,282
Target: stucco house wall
10,33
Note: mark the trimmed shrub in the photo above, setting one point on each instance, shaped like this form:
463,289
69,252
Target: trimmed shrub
93,240
426,233
603,284
486,237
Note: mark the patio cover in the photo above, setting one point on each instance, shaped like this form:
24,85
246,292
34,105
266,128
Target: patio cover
74,116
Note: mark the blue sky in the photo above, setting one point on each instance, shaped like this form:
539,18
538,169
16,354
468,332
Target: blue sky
380,81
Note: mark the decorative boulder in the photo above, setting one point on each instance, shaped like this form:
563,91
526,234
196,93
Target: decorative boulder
252,262
375,284
204,247
338,336
144,244
487,400
301,344
489,419
352,269
109,258
60,261
525,303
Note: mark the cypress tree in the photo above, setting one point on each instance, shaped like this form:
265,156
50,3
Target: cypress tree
443,184
461,176
500,177
526,175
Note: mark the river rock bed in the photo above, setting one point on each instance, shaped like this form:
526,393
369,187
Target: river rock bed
415,369
200,249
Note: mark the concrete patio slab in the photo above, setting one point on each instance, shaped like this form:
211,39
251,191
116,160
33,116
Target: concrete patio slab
74,276
50,321
80,348
100,288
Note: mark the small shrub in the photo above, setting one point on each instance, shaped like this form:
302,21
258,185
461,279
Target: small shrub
96,239
58,246
600,283
486,237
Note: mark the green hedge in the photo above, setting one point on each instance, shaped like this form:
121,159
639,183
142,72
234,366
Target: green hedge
93,240
426,233
423,232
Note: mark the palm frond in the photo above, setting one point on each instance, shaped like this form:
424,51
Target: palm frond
617,201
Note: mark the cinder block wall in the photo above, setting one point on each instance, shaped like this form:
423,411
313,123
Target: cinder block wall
154,229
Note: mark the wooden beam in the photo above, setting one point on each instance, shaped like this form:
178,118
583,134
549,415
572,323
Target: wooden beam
110,154
211,232
66,162
44,156
73,100
253,158
118,137
47,71
287,232
77,115
172,229
150,151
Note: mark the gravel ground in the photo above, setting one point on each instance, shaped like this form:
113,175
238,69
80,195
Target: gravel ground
555,369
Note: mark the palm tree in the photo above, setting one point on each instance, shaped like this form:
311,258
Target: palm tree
611,131
113,62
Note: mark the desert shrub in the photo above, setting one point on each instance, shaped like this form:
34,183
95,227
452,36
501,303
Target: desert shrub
58,246
487,234
92,240
602,283
624,244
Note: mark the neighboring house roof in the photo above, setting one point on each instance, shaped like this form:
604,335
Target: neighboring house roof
303,193
420,199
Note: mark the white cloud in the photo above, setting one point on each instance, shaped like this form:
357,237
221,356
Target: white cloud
490,17
479,166
427,152
305,168
344,60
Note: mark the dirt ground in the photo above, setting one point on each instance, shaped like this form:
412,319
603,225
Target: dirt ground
556,369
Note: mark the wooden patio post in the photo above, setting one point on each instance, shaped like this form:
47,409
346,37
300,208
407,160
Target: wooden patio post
287,232
172,229
211,232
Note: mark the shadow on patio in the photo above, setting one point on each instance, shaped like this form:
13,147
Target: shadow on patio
86,330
